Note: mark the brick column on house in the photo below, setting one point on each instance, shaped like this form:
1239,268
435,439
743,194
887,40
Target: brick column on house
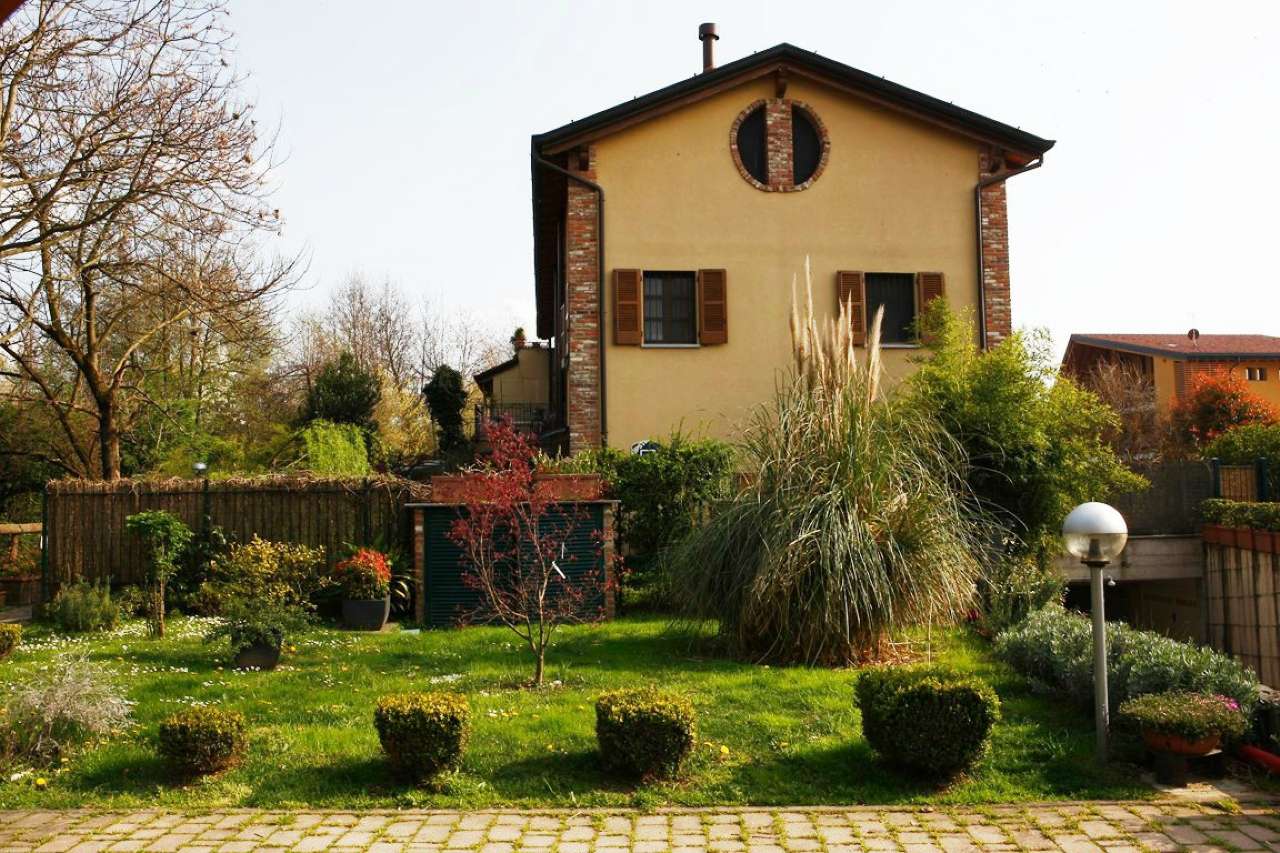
777,131
994,227
582,283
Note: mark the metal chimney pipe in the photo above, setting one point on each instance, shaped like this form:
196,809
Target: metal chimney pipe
707,35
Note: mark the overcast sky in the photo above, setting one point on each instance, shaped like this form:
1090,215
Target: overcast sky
406,129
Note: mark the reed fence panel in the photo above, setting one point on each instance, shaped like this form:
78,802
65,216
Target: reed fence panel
86,536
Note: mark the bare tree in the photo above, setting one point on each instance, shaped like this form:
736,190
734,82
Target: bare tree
457,339
1142,433
132,186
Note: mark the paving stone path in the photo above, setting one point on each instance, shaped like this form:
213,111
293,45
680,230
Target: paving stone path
1070,827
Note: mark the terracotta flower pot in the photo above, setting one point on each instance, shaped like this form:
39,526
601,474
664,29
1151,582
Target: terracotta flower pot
258,656
1160,742
366,615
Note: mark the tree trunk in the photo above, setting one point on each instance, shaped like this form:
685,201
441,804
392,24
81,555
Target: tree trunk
157,610
541,655
108,440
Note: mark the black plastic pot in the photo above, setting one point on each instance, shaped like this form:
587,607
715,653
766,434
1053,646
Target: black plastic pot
258,656
366,615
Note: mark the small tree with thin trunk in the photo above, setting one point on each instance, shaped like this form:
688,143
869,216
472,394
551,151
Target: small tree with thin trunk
166,537
514,539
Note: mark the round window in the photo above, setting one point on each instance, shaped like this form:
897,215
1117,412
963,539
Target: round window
779,145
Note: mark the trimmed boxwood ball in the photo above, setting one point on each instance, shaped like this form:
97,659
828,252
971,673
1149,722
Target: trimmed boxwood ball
644,733
201,740
10,639
929,720
423,734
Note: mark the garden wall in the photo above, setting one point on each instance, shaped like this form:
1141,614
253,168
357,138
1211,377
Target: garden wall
85,520
1242,592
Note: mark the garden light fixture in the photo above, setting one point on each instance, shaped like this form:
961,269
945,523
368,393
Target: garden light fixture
201,468
1096,533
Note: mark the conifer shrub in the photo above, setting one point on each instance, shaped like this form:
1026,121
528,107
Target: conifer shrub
81,607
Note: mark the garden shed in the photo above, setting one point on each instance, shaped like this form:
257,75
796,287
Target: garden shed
444,599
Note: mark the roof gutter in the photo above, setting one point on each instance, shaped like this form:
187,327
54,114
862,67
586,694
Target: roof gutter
977,208
599,191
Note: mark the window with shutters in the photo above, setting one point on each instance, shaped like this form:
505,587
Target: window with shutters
896,293
1256,374
670,307
900,295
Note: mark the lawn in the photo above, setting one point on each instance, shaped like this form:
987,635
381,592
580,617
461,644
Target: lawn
767,735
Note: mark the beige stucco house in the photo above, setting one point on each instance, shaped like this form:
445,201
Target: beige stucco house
668,231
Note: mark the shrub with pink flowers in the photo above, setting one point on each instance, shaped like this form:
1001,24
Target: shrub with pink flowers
1192,716
365,575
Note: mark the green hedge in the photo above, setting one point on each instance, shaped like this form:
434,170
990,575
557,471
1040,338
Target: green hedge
929,720
423,734
202,739
644,733
10,639
1259,516
1055,646
1245,445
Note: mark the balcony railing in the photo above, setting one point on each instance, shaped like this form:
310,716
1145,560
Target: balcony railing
532,418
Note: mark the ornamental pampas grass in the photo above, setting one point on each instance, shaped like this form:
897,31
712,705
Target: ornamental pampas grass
854,524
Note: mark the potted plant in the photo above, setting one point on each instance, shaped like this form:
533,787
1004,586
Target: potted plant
1184,723
365,578
257,632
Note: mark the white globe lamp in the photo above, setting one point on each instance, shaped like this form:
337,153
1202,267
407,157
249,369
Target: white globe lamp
1096,534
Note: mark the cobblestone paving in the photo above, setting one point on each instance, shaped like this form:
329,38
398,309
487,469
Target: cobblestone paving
1161,827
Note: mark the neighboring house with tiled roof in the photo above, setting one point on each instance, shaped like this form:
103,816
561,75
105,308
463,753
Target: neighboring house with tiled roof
1171,361
667,231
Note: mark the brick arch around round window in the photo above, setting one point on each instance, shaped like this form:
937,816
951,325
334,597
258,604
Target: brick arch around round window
778,142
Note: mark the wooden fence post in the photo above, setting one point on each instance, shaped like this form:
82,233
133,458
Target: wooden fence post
44,544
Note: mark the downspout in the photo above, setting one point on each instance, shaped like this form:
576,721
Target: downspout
599,191
977,208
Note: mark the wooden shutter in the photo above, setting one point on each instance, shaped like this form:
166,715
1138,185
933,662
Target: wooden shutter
713,307
851,289
628,307
929,286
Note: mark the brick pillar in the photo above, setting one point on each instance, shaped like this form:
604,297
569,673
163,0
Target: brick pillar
582,281
995,260
777,132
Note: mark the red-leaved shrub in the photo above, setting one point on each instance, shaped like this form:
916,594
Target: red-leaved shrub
1215,403
365,575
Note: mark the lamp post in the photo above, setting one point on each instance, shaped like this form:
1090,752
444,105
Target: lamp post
206,523
1096,533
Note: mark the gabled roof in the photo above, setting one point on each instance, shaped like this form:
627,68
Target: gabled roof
1018,146
1182,348
805,63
